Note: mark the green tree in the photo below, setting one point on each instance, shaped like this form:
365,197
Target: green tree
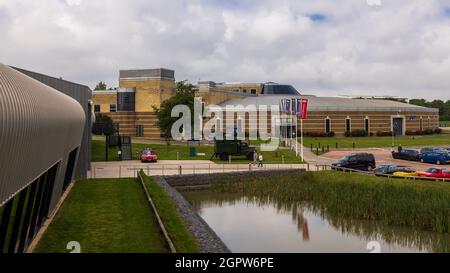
185,94
100,86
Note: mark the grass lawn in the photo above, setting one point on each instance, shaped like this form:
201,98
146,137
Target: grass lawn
183,241
105,216
170,153
370,142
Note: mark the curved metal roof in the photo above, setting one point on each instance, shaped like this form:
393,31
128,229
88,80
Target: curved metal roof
334,104
39,127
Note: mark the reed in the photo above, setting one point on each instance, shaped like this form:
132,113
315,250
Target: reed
402,203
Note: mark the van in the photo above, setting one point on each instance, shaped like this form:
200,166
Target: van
362,162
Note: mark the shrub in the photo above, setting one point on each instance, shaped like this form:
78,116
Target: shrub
348,134
438,131
359,133
411,133
384,133
320,134
428,132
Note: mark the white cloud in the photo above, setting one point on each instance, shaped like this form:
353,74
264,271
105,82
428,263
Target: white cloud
398,48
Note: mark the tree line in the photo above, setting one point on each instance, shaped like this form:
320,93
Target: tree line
443,106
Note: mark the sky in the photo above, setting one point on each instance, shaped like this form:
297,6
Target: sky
322,47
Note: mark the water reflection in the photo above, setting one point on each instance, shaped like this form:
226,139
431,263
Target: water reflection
251,224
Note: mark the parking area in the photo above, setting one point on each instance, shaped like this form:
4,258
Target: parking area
382,156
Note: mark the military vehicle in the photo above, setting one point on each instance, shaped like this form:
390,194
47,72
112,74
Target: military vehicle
224,148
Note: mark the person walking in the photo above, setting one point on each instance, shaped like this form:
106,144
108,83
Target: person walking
260,162
400,148
255,158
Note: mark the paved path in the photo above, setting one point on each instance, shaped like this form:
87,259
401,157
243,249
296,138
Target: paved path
119,169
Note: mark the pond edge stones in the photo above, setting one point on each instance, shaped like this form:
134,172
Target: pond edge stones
207,239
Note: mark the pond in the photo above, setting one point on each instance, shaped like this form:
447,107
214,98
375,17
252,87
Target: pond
248,225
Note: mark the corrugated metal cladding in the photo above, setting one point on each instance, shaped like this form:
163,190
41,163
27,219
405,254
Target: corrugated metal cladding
39,127
147,73
83,95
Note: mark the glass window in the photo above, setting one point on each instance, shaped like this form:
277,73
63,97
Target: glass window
327,125
253,91
112,108
97,108
279,89
348,124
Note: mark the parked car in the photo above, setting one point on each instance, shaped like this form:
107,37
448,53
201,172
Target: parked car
439,157
411,155
391,169
405,174
429,150
148,155
435,173
362,162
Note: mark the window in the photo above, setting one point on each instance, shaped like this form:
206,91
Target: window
327,125
97,108
348,124
421,124
24,214
140,130
113,108
429,123
253,91
70,168
245,91
367,125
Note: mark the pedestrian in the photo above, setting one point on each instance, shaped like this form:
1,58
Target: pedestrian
400,148
255,158
260,161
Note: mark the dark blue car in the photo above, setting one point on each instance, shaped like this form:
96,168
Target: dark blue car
439,157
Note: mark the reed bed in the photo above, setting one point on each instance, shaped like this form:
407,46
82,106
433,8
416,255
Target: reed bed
402,203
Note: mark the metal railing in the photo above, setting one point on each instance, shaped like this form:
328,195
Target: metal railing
128,171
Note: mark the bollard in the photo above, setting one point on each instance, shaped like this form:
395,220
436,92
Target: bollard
317,151
323,149
179,170
328,147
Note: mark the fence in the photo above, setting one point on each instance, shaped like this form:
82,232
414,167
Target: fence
126,171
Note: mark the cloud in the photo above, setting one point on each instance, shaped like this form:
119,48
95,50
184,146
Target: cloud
322,47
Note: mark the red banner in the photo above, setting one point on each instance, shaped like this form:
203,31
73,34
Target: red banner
304,109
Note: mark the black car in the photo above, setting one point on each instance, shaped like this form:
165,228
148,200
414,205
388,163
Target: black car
362,162
391,169
411,155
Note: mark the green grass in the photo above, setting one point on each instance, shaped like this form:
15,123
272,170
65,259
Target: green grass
170,153
403,203
105,216
181,238
379,142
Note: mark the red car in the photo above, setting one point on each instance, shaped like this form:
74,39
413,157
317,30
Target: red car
148,155
435,173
